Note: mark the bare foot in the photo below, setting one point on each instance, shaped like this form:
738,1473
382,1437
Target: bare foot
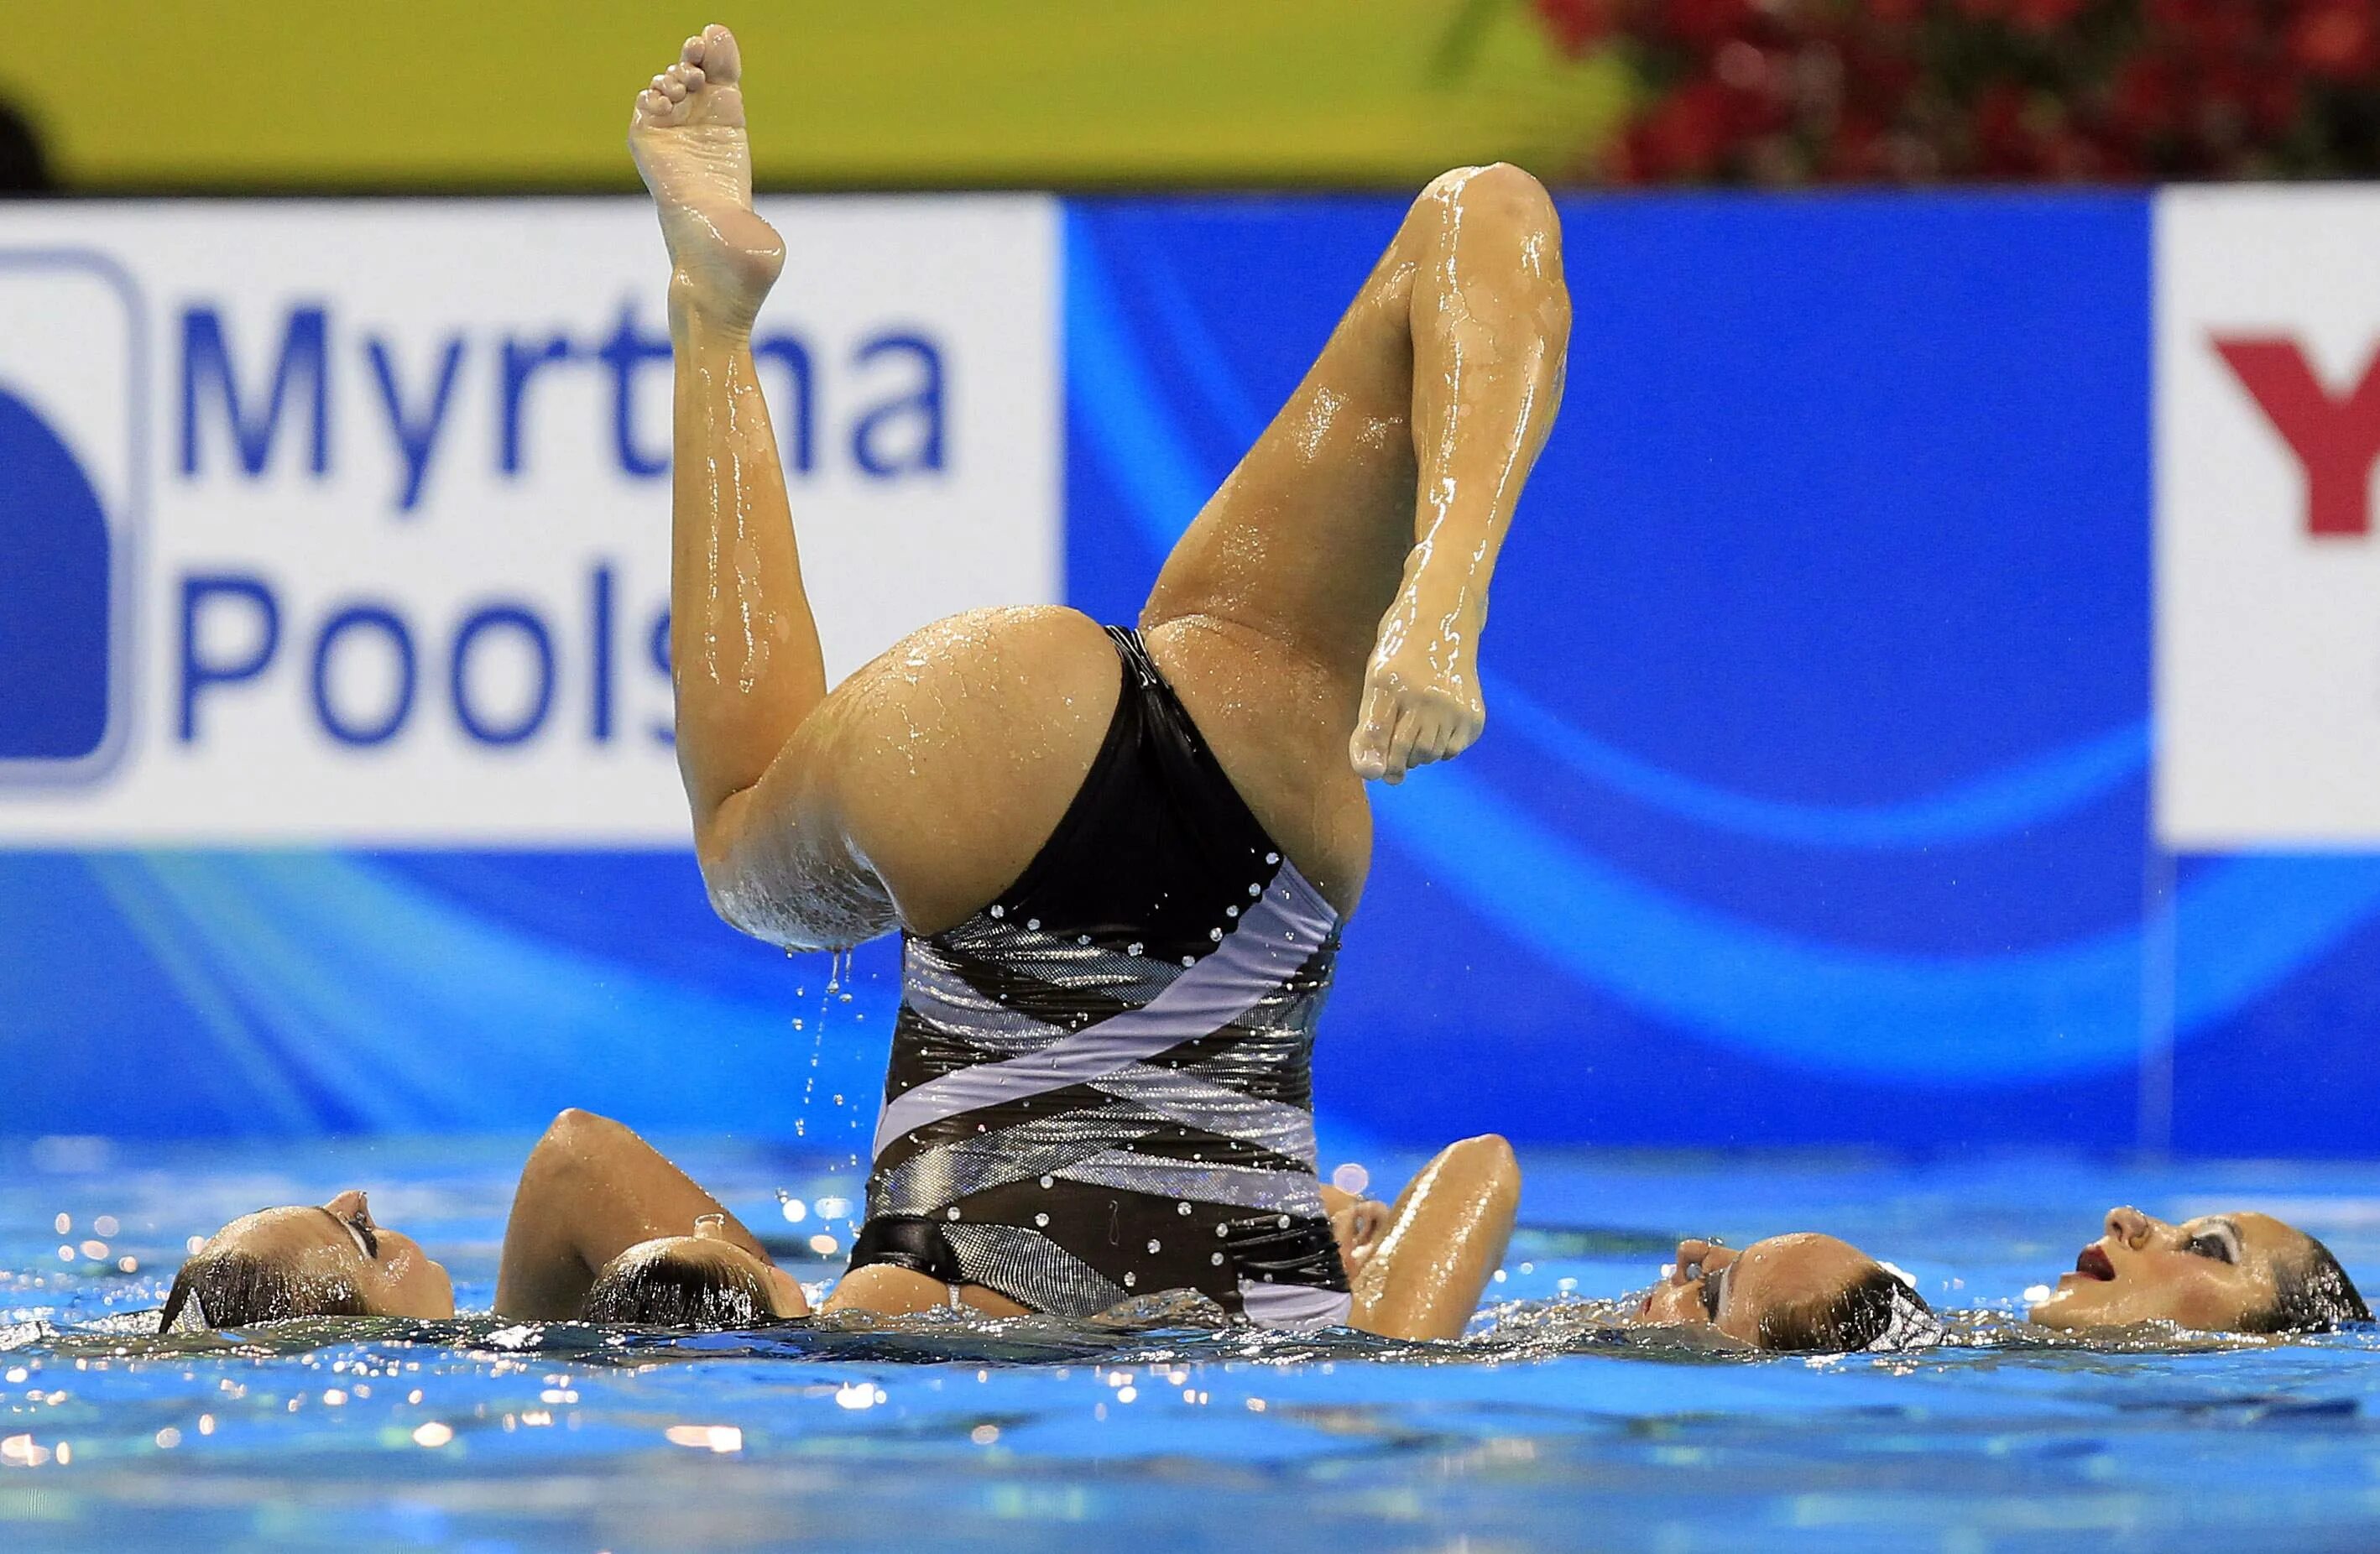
689,138
1421,689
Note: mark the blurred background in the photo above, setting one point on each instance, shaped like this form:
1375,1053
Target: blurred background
1935,694
1234,93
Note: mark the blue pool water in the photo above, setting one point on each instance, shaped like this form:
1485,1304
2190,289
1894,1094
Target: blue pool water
1536,1433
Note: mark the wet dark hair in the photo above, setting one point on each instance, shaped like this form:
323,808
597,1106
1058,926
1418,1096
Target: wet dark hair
2313,1295
666,1288
235,1287
1844,1322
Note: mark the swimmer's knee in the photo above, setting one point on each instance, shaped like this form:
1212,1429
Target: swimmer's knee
574,1146
1488,1159
573,1125
1498,191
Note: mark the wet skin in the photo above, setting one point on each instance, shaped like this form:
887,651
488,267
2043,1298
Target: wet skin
2212,1274
592,1191
1710,1286
1320,618
328,1244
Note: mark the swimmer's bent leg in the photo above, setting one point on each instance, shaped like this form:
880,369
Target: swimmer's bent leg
1445,1237
1359,532
592,1189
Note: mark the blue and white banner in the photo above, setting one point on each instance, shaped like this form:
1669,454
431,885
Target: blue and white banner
355,517
1933,693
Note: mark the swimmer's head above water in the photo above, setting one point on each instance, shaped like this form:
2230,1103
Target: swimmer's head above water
326,1260
2218,1273
1804,1292
703,1281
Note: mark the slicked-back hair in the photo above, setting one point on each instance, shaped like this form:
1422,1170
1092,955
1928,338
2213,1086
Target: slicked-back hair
2311,1293
1842,1323
235,1287
666,1288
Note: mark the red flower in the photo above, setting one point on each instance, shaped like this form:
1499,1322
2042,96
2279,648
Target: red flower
1704,24
1895,13
1682,137
2043,16
2207,30
2147,96
1578,25
2333,41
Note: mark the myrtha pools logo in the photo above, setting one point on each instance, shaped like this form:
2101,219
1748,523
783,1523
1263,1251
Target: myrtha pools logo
70,393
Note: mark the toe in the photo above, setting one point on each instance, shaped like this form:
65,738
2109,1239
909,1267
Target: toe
1374,728
720,56
1401,748
692,52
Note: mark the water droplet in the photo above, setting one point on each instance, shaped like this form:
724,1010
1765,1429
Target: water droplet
1134,947
953,1211
1255,890
1231,911
1033,922
1222,1230
1154,1246
1082,939
1273,857
998,910
1215,934
1049,1181
1128,1280
1216,1260
1182,1209
1040,1219
1189,959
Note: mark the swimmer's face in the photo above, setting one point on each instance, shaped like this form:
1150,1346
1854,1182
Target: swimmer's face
1743,1295
2218,1273
337,1245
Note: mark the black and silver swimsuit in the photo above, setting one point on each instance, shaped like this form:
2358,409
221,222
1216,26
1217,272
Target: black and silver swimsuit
1101,1083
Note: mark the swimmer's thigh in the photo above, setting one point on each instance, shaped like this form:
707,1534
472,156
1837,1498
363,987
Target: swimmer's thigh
1446,1235
1306,541
925,783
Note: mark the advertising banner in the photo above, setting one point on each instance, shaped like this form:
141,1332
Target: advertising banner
349,523
1821,800
2267,566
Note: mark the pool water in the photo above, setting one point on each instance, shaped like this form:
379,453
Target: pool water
1540,1431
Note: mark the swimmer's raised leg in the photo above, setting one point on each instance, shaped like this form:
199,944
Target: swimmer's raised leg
932,775
744,648
1354,543
1418,1268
